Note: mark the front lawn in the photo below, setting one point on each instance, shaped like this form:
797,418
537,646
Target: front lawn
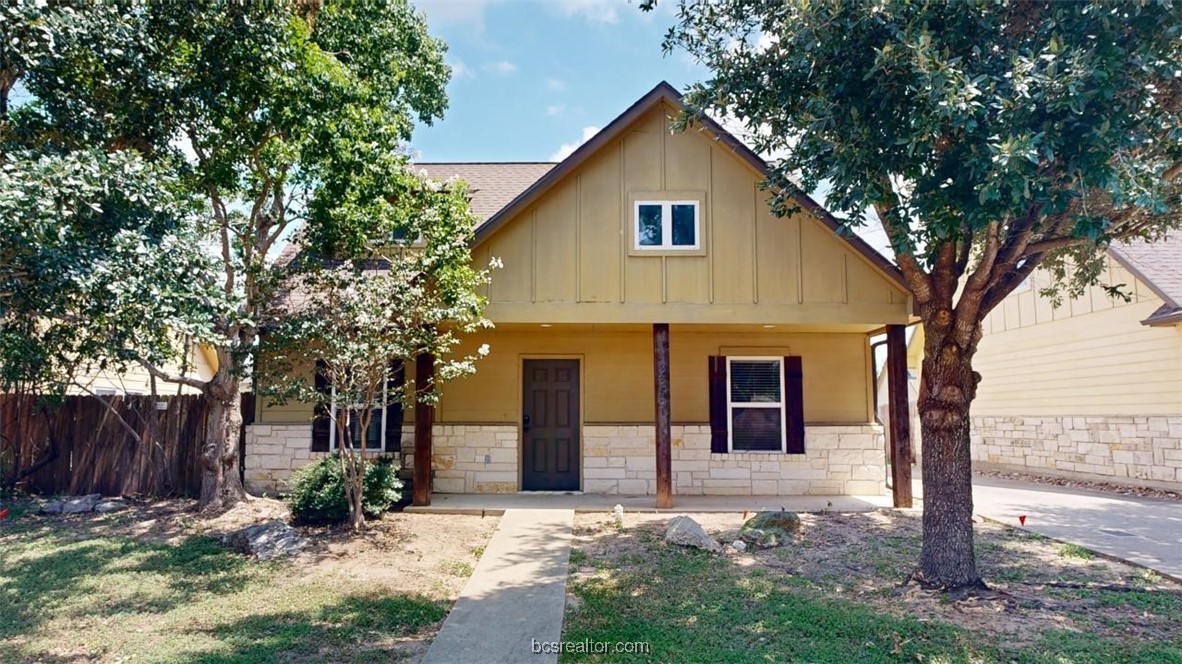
835,595
151,585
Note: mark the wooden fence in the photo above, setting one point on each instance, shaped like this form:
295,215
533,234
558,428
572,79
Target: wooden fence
85,445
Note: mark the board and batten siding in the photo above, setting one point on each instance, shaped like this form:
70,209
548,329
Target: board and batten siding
617,378
568,258
1091,356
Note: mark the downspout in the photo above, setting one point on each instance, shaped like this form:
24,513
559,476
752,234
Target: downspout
878,420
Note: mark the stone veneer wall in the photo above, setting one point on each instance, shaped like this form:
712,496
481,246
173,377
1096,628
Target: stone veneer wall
274,451
1127,449
617,459
838,460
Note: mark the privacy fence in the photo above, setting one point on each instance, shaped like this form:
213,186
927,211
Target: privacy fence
114,445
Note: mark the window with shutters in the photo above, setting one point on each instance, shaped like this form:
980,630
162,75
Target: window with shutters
756,411
384,432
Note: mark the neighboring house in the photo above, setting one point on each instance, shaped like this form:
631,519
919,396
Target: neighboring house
1092,389
768,323
200,361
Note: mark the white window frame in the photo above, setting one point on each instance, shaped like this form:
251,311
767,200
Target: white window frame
332,429
667,226
731,405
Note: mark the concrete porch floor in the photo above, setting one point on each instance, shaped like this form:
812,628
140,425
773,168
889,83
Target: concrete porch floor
497,503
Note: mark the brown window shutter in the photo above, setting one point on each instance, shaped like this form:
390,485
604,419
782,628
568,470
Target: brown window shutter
394,387
718,413
321,423
794,403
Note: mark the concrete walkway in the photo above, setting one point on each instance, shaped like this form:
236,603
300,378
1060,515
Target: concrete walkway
516,596
1141,530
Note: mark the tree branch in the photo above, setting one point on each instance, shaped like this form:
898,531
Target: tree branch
919,281
195,383
106,404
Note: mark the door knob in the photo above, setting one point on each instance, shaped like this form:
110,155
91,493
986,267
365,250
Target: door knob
525,422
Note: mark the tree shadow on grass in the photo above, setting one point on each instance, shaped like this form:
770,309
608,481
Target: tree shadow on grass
53,574
357,628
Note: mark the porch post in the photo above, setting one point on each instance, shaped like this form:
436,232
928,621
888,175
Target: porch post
663,420
424,420
900,416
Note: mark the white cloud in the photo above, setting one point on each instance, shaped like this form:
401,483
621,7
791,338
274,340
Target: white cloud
460,70
566,149
500,68
556,109
595,11
556,84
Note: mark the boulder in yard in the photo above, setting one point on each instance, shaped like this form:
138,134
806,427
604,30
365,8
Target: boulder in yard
684,531
265,541
110,506
763,538
788,522
75,505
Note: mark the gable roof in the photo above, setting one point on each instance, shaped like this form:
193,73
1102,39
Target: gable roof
1159,265
664,92
492,184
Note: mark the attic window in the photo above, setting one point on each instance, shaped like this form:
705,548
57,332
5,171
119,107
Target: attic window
667,225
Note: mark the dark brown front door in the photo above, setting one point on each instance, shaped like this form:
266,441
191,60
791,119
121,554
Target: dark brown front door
550,426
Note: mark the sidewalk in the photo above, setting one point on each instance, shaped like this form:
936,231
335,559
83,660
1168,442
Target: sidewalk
1141,530
516,595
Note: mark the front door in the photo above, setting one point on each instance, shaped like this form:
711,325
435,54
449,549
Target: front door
550,426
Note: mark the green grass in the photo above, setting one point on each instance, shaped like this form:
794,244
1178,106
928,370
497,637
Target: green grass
1075,551
691,606
118,599
460,568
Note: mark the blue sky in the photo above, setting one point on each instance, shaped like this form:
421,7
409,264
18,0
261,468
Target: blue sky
533,79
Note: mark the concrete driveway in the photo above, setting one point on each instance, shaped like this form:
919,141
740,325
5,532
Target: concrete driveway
1141,530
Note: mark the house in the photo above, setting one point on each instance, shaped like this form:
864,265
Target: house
199,361
658,331
1092,389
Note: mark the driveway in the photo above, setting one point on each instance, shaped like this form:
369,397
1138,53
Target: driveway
1141,530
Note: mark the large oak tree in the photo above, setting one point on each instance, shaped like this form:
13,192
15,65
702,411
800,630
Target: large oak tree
990,139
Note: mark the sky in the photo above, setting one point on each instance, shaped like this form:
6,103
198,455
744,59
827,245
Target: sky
533,79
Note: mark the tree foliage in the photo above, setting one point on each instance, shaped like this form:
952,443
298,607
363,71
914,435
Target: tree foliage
267,116
356,319
990,138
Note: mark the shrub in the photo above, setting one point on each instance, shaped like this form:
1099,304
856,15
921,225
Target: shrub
318,489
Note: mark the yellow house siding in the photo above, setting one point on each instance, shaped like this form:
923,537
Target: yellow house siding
1090,357
137,380
569,257
617,379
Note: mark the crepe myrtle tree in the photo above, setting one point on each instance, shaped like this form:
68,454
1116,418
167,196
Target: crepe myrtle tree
271,115
990,138
356,319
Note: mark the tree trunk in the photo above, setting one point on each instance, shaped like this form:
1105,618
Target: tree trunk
948,386
221,488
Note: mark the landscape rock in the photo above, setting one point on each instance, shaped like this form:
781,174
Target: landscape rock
110,506
266,541
763,538
788,522
72,505
739,545
684,531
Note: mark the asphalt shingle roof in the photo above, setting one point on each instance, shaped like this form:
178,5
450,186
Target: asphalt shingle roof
492,184
1159,265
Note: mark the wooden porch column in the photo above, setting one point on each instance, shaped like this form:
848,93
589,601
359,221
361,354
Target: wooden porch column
663,420
900,414
424,420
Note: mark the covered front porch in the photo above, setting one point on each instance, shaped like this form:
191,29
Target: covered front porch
628,432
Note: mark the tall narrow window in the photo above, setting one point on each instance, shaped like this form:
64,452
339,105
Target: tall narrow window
755,404
375,433
667,225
